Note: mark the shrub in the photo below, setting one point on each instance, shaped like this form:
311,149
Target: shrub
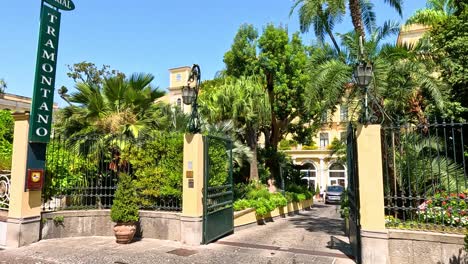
258,193
66,170
6,139
291,197
344,206
125,206
279,200
158,167
307,147
241,204
263,206
301,197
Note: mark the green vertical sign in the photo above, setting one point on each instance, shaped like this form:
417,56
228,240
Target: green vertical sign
44,82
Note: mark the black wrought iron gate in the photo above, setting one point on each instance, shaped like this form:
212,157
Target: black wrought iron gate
353,194
218,196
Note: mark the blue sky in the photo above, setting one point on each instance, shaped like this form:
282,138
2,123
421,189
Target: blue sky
143,36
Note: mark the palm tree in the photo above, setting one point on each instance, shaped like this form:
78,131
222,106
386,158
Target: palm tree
120,107
363,16
323,14
244,102
3,86
403,82
320,16
435,12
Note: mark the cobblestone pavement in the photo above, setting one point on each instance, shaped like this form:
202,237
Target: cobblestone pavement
313,236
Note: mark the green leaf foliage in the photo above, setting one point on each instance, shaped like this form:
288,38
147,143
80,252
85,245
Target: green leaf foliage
157,164
6,139
67,170
125,206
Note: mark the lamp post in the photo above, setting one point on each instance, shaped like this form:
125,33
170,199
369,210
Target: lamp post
190,97
363,76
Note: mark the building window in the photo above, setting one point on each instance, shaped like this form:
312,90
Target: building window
179,102
323,140
324,118
337,174
308,174
343,136
344,113
178,77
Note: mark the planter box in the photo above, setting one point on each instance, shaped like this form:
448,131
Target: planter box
248,216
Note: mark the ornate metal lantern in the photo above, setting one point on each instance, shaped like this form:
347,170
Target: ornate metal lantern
363,74
189,95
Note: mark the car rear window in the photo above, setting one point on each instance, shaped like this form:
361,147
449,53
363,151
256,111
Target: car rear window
334,189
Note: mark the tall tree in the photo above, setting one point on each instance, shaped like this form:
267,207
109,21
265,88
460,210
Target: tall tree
3,86
363,16
322,17
282,63
450,49
244,101
436,11
323,14
120,107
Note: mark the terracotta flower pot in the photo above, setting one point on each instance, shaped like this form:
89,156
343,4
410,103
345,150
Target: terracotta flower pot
124,232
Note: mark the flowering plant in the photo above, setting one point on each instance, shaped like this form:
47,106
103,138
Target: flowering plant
445,209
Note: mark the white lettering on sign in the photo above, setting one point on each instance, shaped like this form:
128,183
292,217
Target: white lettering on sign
42,132
44,107
52,18
51,31
45,92
47,67
47,55
49,44
42,119
64,2
47,80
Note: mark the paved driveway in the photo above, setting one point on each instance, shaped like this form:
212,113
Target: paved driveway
317,233
313,236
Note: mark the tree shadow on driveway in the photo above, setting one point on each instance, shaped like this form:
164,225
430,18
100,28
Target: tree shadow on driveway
325,226
330,226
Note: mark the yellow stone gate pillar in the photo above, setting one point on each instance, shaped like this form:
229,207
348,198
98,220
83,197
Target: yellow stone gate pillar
24,214
191,229
374,236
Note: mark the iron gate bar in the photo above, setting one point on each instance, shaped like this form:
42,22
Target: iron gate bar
353,194
218,217
219,194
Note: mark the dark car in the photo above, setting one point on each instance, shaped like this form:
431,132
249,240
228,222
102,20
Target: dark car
333,194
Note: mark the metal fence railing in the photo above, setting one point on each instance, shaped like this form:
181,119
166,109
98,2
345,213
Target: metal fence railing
425,176
5,183
83,173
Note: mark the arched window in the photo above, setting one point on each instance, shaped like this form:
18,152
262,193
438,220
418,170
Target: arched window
308,174
309,170
337,174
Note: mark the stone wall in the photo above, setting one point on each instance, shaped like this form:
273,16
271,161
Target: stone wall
408,247
159,225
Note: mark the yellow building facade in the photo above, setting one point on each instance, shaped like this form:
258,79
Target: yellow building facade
320,166
177,80
14,103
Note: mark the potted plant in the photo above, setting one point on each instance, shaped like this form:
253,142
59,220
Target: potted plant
124,211
317,192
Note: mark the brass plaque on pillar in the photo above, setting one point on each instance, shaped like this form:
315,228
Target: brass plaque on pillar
189,174
190,183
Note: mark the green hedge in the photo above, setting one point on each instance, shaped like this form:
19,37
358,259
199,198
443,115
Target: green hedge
257,196
158,164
